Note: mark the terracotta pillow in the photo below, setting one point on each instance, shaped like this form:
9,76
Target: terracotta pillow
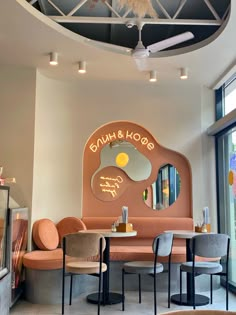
70,225
45,234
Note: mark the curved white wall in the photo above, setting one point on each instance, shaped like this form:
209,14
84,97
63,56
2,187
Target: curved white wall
68,112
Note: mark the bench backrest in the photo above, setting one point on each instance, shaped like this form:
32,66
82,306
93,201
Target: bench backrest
147,228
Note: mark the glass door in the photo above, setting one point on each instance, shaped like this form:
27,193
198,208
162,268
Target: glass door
226,167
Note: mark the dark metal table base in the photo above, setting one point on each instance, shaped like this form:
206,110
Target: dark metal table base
199,300
113,298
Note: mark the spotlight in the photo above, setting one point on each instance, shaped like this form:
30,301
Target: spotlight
153,76
183,73
53,59
82,67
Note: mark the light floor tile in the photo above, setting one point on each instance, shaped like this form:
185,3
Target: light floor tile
132,307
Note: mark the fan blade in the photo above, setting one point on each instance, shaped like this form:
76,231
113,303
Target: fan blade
172,41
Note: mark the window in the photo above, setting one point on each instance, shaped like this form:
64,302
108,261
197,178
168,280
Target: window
230,96
226,98
226,170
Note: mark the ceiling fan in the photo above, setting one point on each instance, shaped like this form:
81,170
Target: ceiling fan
141,52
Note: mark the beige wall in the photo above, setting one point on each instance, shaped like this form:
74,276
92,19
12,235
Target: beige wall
68,112
17,110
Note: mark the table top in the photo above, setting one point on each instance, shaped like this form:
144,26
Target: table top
109,233
183,233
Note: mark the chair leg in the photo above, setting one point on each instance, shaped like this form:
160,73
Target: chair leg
169,274
180,286
123,289
227,292
211,288
155,296
103,298
193,284
71,286
99,292
63,292
139,288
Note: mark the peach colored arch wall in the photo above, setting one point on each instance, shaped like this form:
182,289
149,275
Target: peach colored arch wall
133,195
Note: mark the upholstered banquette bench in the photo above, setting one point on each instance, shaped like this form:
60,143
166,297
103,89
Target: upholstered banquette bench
43,265
47,237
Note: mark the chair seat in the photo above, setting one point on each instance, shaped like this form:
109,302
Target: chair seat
144,267
202,267
84,267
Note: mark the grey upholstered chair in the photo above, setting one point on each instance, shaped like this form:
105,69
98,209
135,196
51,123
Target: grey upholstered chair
209,246
78,250
162,246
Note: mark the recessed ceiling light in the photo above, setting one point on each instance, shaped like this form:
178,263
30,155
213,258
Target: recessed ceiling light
183,73
53,59
153,76
82,67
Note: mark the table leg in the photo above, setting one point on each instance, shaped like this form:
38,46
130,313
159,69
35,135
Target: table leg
187,298
109,297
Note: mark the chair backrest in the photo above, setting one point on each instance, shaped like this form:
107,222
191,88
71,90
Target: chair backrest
210,245
164,242
83,245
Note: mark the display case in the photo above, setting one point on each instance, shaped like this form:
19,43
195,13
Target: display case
4,252
4,201
18,218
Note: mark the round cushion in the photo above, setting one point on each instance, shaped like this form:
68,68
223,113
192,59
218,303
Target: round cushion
70,225
45,234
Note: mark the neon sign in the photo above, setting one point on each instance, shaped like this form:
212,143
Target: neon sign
110,184
122,135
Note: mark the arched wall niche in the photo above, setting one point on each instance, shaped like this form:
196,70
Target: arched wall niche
132,196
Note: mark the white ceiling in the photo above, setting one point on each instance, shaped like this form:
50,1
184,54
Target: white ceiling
27,37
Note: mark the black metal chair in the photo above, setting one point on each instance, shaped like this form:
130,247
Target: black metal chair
78,250
162,246
209,246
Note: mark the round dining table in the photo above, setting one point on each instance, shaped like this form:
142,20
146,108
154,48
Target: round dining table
108,297
187,298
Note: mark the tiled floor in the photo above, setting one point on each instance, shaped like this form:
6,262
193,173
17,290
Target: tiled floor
81,307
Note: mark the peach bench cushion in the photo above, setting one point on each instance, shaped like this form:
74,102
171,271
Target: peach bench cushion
128,253
50,260
69,225
43,259
45,234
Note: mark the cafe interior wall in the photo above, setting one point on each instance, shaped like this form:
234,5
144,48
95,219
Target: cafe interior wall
66,113
17,118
